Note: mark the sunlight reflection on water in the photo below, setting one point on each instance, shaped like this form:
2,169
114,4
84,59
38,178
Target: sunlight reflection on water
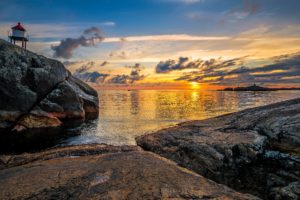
127,114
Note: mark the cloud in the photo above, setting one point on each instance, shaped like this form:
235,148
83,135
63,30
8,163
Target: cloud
122,39
108,23
136,66
67,46
180,64
85,67
104,63
127,79
70,63
135,75
84,74
118,54
205,66
93,77
247,8
94,31
173,37
284,69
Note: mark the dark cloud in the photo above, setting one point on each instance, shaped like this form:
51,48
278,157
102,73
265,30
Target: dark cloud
205,66
93,77
86,67
104,63
70,63
94,31
123,39
135,75
84,74
118,54
119,79
127,79
244,10
180,64
136,66
284,69
67,46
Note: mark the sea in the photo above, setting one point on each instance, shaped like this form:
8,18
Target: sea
126,114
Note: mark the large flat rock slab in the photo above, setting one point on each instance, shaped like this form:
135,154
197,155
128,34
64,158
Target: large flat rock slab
104,172
255,150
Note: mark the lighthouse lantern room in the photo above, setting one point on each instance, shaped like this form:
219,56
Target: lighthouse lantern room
18,34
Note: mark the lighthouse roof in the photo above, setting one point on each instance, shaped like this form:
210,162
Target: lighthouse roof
19,27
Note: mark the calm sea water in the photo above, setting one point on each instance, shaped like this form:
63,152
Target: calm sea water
127,114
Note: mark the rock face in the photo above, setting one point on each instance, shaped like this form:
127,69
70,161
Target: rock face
103,172
255,150
39,93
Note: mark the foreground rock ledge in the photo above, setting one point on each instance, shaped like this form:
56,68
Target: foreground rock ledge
103,172
256,150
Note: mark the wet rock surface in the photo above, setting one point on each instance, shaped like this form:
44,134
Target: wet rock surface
255,150
37,93
103,172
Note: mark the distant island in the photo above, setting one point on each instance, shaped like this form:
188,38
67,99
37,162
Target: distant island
255,87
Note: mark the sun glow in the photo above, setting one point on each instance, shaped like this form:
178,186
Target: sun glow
194,85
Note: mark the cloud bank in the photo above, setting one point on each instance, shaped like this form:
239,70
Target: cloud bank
85,73
205,66
284,69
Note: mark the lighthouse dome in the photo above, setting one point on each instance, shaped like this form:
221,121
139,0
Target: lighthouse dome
18,30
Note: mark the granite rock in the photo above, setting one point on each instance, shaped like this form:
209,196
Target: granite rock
104,172
38,93
255,150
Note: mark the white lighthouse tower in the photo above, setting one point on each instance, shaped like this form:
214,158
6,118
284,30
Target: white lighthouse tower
18,34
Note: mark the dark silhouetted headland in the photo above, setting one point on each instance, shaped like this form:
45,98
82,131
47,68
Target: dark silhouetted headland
257,88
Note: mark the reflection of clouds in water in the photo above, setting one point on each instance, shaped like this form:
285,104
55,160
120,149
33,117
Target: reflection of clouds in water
134,99
127,114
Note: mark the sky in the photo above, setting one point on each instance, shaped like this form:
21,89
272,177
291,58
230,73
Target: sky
206,44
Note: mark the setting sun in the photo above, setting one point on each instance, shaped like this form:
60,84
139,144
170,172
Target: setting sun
194,85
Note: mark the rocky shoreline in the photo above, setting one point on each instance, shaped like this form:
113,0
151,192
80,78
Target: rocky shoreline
256,151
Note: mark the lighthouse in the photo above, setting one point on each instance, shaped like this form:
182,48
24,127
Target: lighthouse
18,34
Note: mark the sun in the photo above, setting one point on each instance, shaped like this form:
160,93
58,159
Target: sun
194,85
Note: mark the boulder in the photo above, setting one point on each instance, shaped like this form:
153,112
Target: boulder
38,93
255,150
103,172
